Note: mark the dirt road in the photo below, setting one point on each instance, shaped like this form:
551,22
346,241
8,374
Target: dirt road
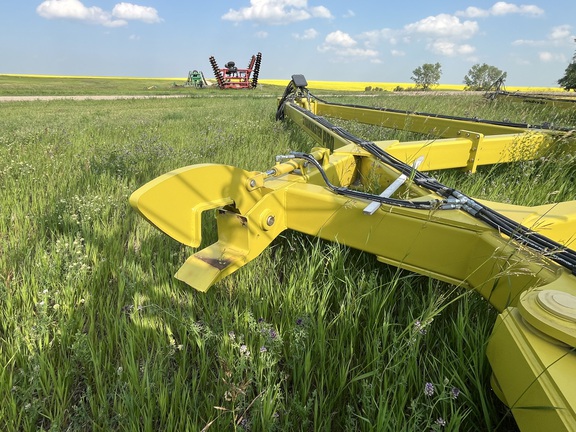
86,97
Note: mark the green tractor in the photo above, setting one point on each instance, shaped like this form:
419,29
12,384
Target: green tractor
196,79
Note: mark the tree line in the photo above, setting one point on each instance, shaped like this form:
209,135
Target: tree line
481,76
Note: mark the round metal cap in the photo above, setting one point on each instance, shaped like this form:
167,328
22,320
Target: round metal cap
559,303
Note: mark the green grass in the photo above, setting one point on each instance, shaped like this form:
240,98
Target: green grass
97,335
15,85
62,86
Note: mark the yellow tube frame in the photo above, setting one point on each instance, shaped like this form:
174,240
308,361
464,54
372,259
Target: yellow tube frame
532,347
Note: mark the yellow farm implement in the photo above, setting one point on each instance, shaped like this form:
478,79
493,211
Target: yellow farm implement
500,92
518,258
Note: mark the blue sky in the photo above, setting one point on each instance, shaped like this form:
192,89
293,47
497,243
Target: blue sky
339,40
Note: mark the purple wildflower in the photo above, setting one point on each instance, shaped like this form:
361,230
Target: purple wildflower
244,350
454,392
429,389
440,422
420,327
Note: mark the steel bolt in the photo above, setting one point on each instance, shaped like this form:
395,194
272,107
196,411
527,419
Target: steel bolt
252,183
270,220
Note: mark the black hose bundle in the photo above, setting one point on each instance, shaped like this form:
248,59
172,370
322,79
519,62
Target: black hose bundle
452,199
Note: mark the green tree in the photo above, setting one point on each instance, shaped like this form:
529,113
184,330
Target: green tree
482,76
427,75
568,81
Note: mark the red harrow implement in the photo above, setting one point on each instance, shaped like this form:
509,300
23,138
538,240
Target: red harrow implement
233,77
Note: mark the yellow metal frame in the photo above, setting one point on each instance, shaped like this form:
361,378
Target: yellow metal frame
532,347
565,101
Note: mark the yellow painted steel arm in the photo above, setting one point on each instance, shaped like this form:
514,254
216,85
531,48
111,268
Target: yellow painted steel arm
441,126
564,102
455,143
174,202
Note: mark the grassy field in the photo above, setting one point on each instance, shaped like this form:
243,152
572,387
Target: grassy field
97,335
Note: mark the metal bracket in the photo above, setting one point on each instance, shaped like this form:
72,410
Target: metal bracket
476,139
371,208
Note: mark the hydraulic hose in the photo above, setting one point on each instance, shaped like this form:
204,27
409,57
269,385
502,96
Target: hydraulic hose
452,199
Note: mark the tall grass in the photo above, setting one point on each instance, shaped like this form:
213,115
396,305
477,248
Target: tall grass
96,334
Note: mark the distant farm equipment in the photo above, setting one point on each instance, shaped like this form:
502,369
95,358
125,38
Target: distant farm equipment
233,77
498,91
196,79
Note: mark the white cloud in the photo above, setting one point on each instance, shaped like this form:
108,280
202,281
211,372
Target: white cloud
341,39
561,33
373,38
320,12
349,14
528,42
444,25
500,9
76,10
129,11
548,57
277,12
261,35
344,48
443,34
473,12
306,35
559,36
451,49
503,8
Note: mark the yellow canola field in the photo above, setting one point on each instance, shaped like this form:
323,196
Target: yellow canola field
361,86
355,85
319,85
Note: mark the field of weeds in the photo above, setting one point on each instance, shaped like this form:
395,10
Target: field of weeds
96,334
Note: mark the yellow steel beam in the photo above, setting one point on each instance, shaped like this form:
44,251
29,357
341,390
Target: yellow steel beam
568,102
470,150
471,144
533,374
440,126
